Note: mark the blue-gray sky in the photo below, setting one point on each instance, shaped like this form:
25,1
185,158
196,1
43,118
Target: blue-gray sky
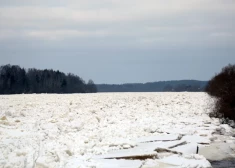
120,41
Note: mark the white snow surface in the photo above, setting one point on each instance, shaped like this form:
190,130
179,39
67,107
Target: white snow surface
57,130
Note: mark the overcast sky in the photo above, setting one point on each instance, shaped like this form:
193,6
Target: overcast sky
120,41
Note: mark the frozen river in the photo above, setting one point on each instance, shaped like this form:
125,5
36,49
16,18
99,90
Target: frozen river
55,130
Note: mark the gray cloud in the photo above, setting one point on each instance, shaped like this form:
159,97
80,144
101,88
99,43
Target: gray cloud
118,37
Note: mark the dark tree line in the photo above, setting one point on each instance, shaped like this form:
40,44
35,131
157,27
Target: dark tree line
16,80
222,87
162,86
184,88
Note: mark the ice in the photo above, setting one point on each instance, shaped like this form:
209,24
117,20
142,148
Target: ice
67,130
101,163
196,139
151,146
129,154
181,162
218,151
158,138
190,148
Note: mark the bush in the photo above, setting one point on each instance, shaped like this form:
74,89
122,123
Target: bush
222,87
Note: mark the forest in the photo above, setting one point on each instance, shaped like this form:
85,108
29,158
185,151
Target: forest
161,86
17,80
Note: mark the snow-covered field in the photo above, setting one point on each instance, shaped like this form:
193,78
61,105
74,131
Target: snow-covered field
82,130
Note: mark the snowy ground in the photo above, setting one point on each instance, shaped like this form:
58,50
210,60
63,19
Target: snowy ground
83,130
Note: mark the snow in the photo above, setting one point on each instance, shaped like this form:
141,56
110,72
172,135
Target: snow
81,130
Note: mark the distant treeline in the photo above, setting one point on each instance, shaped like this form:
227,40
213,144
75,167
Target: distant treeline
163,86
17,80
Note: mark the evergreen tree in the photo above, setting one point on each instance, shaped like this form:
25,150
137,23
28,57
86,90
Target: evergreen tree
15,80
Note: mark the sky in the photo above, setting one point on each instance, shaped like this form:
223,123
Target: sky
120,41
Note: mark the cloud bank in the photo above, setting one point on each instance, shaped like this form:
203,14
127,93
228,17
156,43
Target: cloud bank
117,28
